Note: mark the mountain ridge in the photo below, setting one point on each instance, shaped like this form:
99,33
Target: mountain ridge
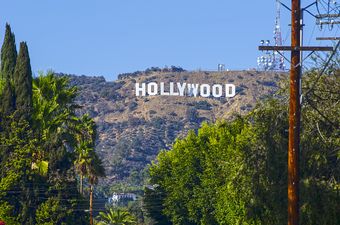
133,129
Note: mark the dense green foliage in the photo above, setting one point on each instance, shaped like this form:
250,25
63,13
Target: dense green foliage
236,172
153,201
16,185
40,142
7,98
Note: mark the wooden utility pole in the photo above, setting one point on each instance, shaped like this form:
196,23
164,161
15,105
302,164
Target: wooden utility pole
294,117
294,106
91,204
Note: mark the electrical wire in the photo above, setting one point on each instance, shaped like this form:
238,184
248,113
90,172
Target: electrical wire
311,36
323,70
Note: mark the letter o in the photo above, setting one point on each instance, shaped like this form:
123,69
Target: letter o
217,90
205,90
152,88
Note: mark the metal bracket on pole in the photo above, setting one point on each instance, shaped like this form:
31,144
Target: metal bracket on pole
328,38
290,48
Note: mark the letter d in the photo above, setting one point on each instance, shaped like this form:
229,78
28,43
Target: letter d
230,90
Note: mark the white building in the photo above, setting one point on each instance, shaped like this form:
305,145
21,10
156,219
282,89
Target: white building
119,197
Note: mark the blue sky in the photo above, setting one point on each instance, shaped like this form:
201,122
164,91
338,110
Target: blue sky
108,37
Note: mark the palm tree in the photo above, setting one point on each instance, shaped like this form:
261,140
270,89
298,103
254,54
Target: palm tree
95,170
87,163
82,162
86,136
116,217
53,109
56,121
53,113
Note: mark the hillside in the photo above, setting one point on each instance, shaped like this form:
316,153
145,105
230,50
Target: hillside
132,130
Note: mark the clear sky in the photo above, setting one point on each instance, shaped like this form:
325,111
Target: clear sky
108,37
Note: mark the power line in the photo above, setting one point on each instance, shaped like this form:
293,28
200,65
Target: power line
323,69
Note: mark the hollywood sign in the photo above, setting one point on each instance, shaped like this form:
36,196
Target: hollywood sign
184,89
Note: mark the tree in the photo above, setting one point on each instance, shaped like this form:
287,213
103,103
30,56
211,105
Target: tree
55,123
86,136
53,114
204,171
23,80
16,171
50,212
116,217
87,163
6,214
95,170
320,143
82,162
18,145
8,54
7,99
69,139
38,137
8,62
153,204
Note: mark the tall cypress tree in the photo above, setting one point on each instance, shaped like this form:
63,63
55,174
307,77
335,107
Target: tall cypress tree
23,100
8,54
23,80
8,62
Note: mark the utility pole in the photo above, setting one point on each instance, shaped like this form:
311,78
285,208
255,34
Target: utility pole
294,116
294,106
91,205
